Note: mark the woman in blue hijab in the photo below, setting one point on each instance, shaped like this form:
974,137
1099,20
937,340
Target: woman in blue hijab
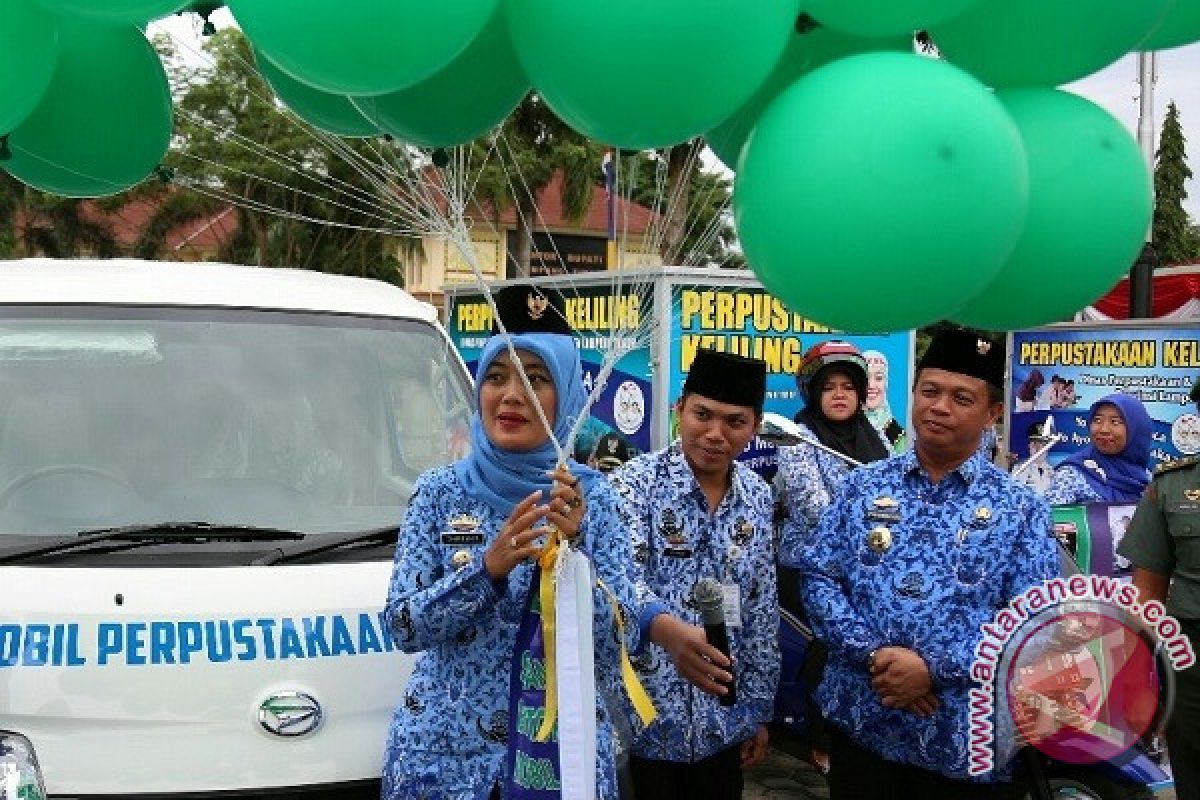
463,588
1114,468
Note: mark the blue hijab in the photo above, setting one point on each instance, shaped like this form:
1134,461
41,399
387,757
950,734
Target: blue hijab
1122,477
502,478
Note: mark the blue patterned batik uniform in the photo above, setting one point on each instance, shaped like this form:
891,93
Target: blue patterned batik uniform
448,737
676,542
959,550
1068,487
807,480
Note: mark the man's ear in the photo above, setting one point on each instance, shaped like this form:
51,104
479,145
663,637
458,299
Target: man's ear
995,412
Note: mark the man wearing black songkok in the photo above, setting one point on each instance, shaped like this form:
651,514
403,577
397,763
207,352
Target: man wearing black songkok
694,513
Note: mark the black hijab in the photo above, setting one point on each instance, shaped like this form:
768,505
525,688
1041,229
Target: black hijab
855,437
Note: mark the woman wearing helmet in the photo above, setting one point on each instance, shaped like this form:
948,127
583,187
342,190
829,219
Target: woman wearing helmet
833,385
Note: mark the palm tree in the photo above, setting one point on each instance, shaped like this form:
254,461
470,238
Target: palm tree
532,146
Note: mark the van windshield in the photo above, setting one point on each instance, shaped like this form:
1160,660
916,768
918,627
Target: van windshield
116,416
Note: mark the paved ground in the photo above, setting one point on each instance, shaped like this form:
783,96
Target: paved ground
782,777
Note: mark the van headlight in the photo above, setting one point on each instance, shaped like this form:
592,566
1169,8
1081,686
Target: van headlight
20,775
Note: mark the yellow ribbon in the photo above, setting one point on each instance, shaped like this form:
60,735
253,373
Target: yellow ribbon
546,560
642,703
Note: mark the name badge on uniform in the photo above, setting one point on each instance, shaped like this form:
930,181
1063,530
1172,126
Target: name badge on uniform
452,538
884,509
464,530
677,552
732,604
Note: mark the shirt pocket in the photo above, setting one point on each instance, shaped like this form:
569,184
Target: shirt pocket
1183,523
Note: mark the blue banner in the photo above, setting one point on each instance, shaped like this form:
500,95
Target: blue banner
598,314
1060,373
750,322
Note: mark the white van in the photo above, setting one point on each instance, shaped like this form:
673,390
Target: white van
202,471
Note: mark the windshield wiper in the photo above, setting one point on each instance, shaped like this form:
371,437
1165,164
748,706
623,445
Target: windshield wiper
160,533
317,543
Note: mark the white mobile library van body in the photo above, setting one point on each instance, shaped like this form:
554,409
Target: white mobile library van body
202,470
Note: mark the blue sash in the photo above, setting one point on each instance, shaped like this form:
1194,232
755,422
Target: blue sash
531,767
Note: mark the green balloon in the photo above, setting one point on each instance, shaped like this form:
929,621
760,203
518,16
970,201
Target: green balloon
128,12
881,192
1044,42
462,102
1180,26
1090,203
805,52
105,121
28,53
362,47
331,113
885,17
640,75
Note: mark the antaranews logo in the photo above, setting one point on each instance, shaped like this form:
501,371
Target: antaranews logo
1082,670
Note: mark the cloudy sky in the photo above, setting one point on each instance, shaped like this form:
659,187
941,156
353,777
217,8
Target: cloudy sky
1114,88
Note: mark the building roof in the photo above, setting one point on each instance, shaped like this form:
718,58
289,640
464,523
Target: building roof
132,282
631,218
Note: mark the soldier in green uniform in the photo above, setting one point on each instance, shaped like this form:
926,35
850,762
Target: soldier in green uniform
1163,543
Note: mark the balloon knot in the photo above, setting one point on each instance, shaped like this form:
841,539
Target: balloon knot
5,153
806,24
441,159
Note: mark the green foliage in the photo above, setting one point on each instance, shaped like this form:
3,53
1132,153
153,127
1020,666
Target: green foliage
1175,238
299,203
519,161
33,223
697,229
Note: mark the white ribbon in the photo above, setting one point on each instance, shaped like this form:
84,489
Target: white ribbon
575,670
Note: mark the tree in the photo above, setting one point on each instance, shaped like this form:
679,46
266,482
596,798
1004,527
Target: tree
34,223
302,200
1174,238
695,225
519,162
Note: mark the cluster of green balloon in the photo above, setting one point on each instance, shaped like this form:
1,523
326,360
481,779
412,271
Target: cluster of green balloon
332,113
812,45
81,140
466,99
639,75
28,54
1040,43
884,17
362,47
881,192
124,12
1180,26
1090,203
462,100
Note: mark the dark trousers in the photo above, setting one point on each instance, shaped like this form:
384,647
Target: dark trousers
856,773
1183,729
718,777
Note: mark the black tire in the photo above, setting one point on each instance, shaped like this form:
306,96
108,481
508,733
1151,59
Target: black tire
1085,784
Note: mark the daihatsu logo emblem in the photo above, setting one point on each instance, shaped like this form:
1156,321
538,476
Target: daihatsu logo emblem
290,714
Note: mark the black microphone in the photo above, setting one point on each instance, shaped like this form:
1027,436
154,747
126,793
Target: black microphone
709,599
